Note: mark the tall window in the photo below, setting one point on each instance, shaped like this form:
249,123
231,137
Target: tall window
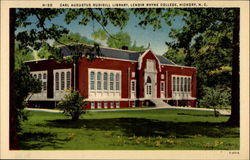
57,81
105,81
133,86
174,84
181,83
62,80
111,81
117,81
92,80
99,81
162,86
189,84
68,79
185,84
39,76
177,84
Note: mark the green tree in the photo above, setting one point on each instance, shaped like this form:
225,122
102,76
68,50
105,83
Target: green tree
117,40
72,104
25,85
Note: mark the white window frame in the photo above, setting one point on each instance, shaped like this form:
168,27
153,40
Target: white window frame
182,92
36,74
105,92
60,71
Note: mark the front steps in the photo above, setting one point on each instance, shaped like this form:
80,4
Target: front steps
159,103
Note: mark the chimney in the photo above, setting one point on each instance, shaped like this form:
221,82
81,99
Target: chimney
125,47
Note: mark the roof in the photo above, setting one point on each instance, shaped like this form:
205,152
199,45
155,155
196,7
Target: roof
117,54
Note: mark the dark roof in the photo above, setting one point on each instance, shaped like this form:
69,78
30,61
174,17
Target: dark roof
116,53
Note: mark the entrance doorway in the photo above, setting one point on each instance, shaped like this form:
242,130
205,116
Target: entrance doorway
148,88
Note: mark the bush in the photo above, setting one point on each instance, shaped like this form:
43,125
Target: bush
72,104
216,98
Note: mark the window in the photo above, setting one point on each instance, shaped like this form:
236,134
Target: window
174,84
99,104
44,86
92,80
162,76
44,76
185,84
117,80
39,76
111,82
57,81
117,104
92,105
105,81
181,84
177,84
35,76
111,104
133,86
68,79
99,81
162,86
105,104
62,80
133,75
189,84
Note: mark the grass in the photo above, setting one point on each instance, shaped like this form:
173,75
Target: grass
129,130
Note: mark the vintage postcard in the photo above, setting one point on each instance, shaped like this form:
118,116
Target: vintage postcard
124,79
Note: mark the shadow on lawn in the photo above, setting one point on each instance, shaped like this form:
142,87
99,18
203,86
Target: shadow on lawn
148,127
38,140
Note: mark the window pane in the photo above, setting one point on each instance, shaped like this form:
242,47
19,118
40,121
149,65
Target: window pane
105,81
111,81
162,86
181,83
92,80
57,81
39,76
189,84
133,85
185,85
68,79
92,76
117,78
177,84
62,81
174,84
111,77
99,82
44,76
99,85
99,74
44,86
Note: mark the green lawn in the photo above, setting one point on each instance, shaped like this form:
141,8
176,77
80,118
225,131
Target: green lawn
129,130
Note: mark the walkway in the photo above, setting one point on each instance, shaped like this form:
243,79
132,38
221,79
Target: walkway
221,111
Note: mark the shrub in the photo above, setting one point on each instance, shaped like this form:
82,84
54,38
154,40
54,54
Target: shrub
72,104
216,97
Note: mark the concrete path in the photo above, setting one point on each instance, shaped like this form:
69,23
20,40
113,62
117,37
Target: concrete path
221,112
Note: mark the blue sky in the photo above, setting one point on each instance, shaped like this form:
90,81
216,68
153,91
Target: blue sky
142,36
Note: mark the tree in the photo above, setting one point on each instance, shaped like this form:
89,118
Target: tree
25,85
72,104
117,40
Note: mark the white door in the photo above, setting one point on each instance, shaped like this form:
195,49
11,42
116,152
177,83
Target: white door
148,88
